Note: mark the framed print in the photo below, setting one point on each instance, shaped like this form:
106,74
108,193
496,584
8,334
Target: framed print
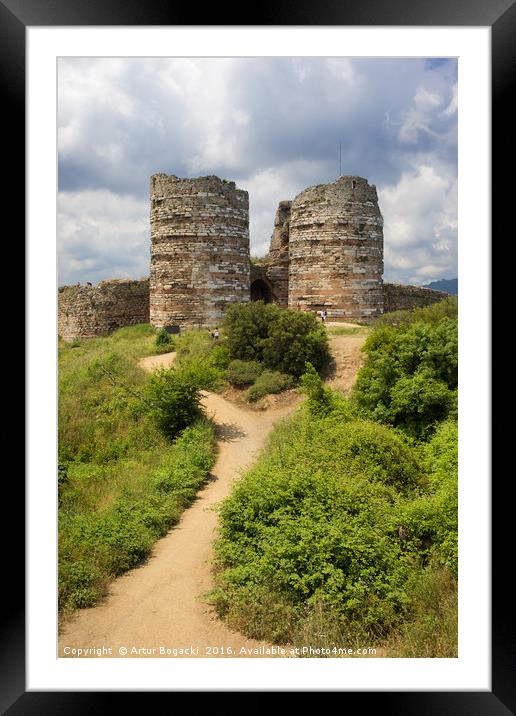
396,129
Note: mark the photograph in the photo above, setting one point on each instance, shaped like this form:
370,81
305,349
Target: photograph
254,253
257,328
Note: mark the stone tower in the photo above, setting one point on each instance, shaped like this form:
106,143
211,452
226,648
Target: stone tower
278,259
199,249
336,250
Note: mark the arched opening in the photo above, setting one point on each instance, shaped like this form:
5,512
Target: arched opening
260,291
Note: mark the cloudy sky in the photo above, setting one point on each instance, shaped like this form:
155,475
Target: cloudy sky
273,125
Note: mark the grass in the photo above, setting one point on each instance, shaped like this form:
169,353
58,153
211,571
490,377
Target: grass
110,516
122,483
431,627
346,331
100,416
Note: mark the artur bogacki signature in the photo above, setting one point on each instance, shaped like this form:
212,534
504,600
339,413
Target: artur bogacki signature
243,651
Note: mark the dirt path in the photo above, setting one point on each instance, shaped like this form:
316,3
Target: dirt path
348,359
159,606
165,360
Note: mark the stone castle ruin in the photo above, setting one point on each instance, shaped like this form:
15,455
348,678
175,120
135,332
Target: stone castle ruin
336,250
199,249
326,253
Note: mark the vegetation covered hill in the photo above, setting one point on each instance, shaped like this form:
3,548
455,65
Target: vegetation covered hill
345,531
133,451
135,448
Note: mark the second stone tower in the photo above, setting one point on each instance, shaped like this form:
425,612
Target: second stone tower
336,250
199,249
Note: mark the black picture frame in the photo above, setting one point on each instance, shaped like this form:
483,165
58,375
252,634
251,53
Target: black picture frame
500,16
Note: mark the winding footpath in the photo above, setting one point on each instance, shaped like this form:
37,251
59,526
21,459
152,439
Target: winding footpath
159,609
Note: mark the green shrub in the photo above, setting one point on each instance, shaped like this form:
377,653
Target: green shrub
173,396
163,338
320,398
431,521
269,381
281,339
294,339
220,356
243,372
419,402
316,521
246,325
409,378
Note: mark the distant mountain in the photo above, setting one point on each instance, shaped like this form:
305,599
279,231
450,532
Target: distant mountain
450,285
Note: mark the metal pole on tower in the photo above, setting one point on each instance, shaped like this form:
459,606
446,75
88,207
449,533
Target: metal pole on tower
340,159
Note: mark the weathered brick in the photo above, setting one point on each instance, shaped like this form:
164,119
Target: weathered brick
199,249
89,311
336,250
399,297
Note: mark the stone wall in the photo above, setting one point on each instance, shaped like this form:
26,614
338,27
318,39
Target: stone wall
398,297
199,249
89,311
336,250
278,258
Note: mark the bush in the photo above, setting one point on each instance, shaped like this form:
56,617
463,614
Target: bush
269,381
294,339
281,339
431,521
320,398
219,356
173,396
163,338
315,522
243,372
419,402
409,378
246,325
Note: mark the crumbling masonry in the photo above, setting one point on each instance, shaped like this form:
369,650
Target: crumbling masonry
89,311
199,249
336,250
326,253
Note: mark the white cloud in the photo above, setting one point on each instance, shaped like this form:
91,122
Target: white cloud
452,107
266,189
420,225
272,125
419,118
101,235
